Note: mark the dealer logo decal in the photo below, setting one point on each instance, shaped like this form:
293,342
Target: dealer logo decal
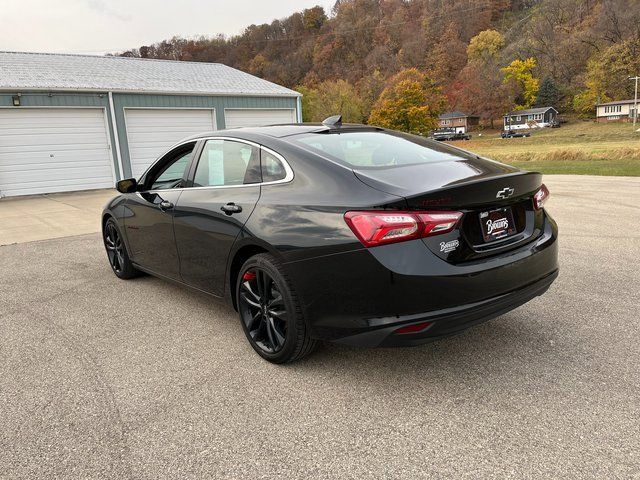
450,246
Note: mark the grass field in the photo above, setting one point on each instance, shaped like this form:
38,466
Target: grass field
578,147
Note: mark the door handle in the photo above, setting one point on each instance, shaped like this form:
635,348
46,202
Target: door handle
165,205
231,208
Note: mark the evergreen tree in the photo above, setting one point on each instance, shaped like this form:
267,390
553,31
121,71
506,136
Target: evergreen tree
548,94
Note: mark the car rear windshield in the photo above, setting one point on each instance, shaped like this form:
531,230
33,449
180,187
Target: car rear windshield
375,149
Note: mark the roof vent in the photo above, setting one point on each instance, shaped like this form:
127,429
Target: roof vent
335,121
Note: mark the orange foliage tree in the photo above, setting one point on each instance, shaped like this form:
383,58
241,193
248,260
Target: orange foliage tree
411,102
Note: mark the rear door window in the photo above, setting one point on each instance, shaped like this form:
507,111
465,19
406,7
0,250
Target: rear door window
227,163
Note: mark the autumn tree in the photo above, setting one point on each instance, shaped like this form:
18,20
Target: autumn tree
607,76
369,89
448,56
331,97
485,46
411,102
520,74
478,88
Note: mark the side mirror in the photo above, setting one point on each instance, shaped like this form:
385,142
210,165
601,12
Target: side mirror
128,185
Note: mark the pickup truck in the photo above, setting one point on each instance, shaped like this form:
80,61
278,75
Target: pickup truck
515,134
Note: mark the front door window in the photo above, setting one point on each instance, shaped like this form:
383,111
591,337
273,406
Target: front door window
169,172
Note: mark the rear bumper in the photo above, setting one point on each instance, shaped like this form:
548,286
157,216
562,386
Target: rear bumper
362,296
449,321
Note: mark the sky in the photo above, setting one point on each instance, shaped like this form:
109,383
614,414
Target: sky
108,26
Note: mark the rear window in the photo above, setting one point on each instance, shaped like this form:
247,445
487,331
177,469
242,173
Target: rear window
374,149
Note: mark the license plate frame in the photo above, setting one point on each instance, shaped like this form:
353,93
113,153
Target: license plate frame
497,224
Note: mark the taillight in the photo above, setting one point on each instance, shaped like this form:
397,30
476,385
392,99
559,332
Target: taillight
381,227
541,197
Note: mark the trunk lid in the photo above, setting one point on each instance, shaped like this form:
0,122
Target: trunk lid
452,184
481,189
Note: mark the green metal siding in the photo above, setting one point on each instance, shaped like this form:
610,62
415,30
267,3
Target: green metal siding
219,103
122,101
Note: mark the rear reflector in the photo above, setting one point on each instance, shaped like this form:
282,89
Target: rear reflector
415,328
541,197
383,226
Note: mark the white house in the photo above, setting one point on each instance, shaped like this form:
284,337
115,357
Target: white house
531,118
620,111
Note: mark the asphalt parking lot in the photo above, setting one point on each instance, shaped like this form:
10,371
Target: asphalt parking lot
101,378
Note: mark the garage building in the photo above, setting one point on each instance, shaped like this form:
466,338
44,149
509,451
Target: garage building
78,122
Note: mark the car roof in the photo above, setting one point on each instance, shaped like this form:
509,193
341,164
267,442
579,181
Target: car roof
286,130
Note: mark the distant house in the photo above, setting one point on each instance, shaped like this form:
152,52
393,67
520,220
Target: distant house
620,111
461,122
531,118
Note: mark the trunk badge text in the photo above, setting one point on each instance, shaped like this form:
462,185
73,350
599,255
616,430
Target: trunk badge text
505,192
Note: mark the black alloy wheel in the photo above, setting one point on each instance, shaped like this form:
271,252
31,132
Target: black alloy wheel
269,310
113,244
117,252
263,310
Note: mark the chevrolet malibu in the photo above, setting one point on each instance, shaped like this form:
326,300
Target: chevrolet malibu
332,232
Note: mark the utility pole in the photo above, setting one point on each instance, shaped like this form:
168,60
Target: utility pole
635,101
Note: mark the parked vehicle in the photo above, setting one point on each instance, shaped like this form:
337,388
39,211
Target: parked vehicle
515,134
449,134
345,233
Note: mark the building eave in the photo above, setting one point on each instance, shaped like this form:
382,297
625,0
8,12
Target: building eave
67,90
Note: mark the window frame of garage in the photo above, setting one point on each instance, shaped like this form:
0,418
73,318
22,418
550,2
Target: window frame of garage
106,115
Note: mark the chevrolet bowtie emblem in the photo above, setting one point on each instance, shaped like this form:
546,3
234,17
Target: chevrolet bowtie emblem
505,192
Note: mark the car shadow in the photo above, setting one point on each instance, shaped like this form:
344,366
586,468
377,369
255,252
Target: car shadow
516,343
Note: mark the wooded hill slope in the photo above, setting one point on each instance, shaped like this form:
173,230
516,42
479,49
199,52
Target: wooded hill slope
481,56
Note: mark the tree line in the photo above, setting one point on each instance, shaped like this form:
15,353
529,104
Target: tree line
400,63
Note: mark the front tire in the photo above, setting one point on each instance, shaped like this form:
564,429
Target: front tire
117,251
270,312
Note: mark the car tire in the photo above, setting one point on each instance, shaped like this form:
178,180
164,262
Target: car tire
270,312
117,254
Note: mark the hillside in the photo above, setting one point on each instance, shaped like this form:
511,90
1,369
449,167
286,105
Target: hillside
567,52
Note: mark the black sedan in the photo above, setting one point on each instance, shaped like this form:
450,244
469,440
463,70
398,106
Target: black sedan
344,233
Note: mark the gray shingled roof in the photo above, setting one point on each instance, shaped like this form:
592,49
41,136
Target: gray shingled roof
617,102
447,115
50,72
531,111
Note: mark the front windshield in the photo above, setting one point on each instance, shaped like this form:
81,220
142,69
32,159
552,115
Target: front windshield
374,149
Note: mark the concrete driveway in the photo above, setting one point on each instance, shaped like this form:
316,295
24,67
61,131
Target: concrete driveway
102,378
40,217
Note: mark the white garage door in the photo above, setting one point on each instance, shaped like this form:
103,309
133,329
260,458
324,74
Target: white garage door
256,117
151,132
44,150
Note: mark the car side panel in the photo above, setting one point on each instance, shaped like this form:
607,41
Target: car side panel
205,235
305,217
